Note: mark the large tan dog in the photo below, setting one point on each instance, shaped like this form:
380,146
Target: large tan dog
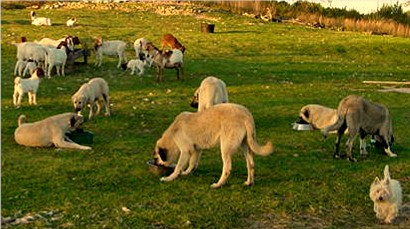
211,91
49,131
363,118
93,93
318,116
229,125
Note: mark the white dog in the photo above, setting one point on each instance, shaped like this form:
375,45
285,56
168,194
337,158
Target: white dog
92,93
211,91
387,197
318,116
229,125
49,132
29,86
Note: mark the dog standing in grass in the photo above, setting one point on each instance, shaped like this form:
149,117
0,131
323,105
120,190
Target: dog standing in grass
212,91
29,86
92,93
387,197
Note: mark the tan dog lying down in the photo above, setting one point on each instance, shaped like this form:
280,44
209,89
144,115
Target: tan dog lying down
362,117
211,91
49,131
229,125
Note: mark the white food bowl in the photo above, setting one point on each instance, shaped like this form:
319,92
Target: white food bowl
301,127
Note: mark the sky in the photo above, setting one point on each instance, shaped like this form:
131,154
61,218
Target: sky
362,6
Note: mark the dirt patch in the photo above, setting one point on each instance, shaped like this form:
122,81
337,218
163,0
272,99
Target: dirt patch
400,90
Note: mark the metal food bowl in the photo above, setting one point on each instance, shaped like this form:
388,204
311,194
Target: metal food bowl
301,127
160,170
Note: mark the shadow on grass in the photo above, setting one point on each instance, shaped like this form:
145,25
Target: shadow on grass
236,31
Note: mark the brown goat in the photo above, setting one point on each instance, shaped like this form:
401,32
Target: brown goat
168,59
170,40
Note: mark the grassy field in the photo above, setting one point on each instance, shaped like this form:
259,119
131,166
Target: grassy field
272,69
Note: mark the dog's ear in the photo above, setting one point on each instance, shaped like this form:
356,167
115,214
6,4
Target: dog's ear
376,181
386,175
163,154
306,113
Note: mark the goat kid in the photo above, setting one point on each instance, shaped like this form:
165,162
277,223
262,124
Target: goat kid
109,48
135,64
39,20
71,22
29,86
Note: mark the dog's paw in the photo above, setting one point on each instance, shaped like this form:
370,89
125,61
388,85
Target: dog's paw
215,185
247,183
352,159
392,155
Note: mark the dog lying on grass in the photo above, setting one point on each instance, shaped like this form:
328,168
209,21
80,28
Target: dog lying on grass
386,195
49,132
229,125
361,117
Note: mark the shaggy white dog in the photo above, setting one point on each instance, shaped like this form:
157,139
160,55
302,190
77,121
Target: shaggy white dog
29,86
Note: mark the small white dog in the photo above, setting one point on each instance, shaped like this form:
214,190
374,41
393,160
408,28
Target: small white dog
387,197
29,86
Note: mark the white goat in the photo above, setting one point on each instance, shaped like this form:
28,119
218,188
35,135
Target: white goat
135,64
48,42
30,51
140,46
109,48
29,86
39,20
56,57
71,22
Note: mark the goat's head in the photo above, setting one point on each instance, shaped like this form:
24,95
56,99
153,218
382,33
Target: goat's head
98,42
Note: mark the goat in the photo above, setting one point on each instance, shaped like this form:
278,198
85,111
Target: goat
30,51
139,64
170,40
39,20
29,86
140,46
109,48
168,59
70,41
71,22
30,67
57,57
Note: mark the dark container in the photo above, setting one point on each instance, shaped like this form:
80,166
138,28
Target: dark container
207,28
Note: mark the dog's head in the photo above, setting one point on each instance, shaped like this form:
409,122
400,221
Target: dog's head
165,151
195,99
379,190
76,121
79,102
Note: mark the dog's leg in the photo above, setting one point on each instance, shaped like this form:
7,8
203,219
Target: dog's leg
98,104
15,96
106,101
19,98
62,70
182,161
226,169
193,162
363,151
250,164
389,152
60,143
339,135
91,114
349,147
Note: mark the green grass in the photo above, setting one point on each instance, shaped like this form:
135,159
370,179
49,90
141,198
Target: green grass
272,69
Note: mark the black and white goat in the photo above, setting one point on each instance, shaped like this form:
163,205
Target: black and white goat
109,48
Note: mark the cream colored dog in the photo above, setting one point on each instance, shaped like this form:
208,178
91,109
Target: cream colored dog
229,125
29,86
49,131
365,118
387,197
318,116
92,93
211,91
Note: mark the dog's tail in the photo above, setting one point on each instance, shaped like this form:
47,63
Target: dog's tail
386,172
21,120
251,140
336,126
17,80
